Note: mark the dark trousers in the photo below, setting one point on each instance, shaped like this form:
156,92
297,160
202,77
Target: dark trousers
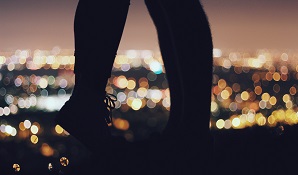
186,45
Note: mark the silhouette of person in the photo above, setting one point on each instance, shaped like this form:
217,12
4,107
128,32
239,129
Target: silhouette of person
186,46
98,28
185,145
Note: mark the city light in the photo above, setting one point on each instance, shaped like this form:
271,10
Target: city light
261,92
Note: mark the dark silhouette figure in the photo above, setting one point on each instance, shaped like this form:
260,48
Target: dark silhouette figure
186,46
98,28
185,145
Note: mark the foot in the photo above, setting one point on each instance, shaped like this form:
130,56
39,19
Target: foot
86,120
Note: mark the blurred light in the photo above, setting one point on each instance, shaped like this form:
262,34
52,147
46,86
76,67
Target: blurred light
8,129
18,82
272,100
121,124
2,60
136,104
286,98
64,161
244,95
214,106
14,132
258,90
9,99
233,106
261,120
166,102
227,64
125,67
51,103
271,120
2,128
50,167
43,83
131,84
59,129
46,150
155,95
236,122
27,124
156,67
151,76
143,82
284,57
262,104
121,96
34,139
225,94
293,90
222,83
2,91
265,97
217,53
63,83
220,123
34,129
13,109
289,104
131,54
142,92
228,124
61,93
1,111
151,104
44,93
276,76
11,66
22,126
51,80
6,110
122,82
16,167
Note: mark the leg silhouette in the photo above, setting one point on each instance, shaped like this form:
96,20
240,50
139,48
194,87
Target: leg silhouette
98,28
186,44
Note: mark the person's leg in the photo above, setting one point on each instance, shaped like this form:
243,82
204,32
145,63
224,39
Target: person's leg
170,59
168,144
98,27
193,43
191,40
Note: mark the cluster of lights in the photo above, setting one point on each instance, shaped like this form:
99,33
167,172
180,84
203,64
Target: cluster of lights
248,90
267,95
245,103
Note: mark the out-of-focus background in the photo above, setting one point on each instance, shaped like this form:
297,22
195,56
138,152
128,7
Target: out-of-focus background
254,93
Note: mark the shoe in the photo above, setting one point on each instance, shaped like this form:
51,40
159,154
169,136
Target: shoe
88,123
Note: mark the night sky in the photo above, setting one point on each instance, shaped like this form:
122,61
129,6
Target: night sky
235,24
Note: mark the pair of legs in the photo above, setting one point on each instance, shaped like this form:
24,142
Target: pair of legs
186,46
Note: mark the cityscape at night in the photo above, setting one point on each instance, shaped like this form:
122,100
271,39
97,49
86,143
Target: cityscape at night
249,90
254,93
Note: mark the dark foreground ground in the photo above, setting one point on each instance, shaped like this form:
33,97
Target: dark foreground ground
250,151
256,151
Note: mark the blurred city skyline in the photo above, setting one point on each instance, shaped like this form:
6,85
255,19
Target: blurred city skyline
235,24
